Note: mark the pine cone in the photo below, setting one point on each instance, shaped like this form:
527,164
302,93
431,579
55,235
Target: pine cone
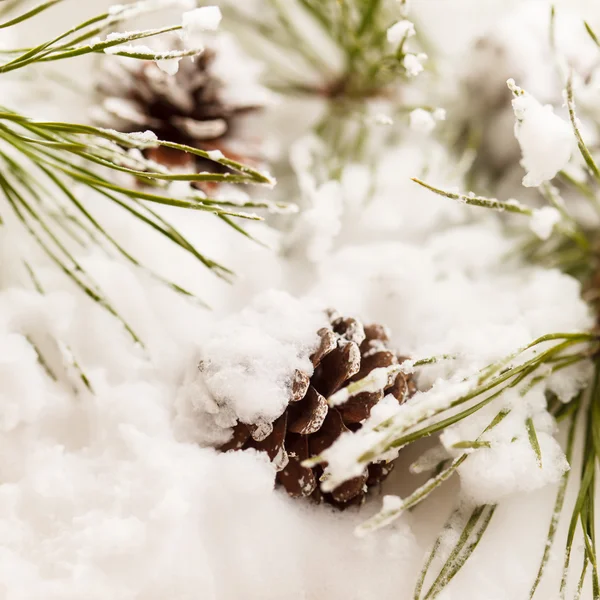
185,108
347,352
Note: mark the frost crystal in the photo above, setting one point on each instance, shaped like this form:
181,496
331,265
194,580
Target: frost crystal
546,140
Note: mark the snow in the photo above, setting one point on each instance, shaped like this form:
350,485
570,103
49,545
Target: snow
205,18
167,61
142,139
400,31
119,494
215,155
422,120
246,366
509,466
413,63
320,224
170,66
547,141
544,220
129,49
454,298
513,41
240,74
124,109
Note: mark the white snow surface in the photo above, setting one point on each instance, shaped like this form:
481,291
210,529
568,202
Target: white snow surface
115,495
111,495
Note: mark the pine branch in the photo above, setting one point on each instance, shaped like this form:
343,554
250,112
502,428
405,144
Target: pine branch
356,32
42,160
387,516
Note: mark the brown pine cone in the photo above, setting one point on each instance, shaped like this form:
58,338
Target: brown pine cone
347,352
185,108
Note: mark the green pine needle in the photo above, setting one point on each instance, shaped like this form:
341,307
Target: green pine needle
533,440
471,534
42,160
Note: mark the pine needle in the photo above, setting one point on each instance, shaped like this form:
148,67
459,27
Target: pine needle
533,440
481,201
560,500
67,153
583,149
387,516
29,14
591,33
470,536
433,554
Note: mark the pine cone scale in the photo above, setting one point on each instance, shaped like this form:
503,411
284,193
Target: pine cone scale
187,108
300,386
358,408
314,411
299,481
336,368
350,489
332,428
239,437
274,443
327,343
372,361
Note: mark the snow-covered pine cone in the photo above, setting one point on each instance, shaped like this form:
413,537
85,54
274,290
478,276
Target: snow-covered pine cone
347,352
185,108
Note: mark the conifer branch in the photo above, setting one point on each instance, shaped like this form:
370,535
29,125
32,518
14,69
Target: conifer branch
41,160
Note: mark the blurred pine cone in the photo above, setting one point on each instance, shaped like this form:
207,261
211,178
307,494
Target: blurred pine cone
347,352
185,108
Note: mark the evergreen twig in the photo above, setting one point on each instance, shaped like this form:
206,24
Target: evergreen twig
41,160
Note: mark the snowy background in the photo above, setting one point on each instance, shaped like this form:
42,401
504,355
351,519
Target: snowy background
111,495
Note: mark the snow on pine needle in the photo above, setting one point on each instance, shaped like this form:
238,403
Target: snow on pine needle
351,63
547,143
42,160
535,45
546,140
